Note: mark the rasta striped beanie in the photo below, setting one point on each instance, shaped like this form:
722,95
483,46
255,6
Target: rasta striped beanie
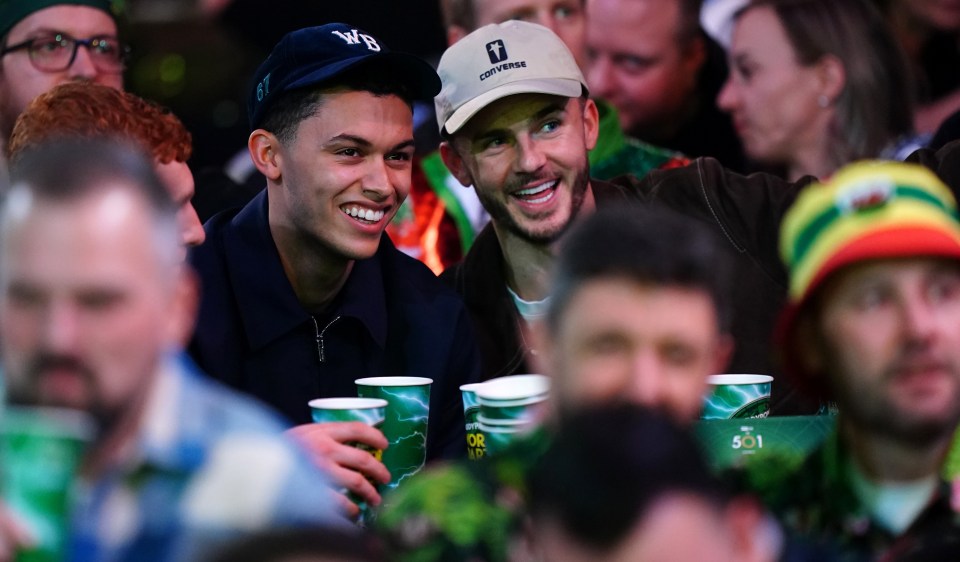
868,210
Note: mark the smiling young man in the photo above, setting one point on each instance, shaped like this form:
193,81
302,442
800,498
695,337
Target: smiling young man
519,130
303,291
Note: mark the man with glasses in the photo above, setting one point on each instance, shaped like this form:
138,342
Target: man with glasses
49,42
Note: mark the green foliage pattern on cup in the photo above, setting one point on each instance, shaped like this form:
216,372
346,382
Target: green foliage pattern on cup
405,427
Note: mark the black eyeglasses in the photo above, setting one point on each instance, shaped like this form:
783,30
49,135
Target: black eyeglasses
57,51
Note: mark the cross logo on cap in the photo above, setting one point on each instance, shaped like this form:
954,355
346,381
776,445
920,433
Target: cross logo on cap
496,51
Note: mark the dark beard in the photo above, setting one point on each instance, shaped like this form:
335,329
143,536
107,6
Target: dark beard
500,215
28,392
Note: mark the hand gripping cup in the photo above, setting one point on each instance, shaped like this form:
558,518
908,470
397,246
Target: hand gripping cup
471,407
40,453
737,396
405,421
370,411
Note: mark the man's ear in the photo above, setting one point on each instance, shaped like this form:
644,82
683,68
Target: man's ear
455,164
591,123
264,148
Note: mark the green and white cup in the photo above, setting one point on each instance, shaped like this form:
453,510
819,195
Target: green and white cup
40,452
476,448
515,400
405,422
370,411
737,396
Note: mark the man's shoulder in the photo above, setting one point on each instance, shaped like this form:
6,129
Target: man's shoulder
481,267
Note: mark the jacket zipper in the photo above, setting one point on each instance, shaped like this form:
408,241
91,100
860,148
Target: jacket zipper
318,333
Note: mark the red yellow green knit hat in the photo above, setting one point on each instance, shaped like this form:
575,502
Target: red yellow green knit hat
868,210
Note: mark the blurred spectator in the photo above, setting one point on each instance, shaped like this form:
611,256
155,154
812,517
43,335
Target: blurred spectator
49,42
84,109
653,62
621,483
873,323
95,303
638,315
816,84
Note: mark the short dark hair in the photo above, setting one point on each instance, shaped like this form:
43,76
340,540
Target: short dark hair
649,245
291,108
606,467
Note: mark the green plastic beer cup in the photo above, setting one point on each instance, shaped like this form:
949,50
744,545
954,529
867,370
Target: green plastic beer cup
475,441
737,396
40,452
405,422
370,411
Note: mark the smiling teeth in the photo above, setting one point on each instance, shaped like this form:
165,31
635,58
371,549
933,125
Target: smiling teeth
365,214
535,190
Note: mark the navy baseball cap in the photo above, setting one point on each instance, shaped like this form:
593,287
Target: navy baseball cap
317,55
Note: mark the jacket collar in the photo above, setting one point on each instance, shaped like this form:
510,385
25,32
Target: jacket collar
266,300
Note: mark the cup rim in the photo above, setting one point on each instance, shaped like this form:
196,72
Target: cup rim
738,378
471,387
494,403
341,403
393,381
506,388
69,423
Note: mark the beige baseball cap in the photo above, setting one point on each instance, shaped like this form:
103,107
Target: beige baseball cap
499,60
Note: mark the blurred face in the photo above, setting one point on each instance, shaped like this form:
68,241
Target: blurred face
943,15
664,533
526,156
20,81
772,99
635,62
87,308
563,17
178,179
653,346
890,343
345,173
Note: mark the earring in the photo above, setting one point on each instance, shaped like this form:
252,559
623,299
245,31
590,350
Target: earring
823,101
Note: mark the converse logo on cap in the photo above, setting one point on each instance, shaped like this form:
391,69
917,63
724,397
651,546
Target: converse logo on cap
496,51
869,195
354,37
